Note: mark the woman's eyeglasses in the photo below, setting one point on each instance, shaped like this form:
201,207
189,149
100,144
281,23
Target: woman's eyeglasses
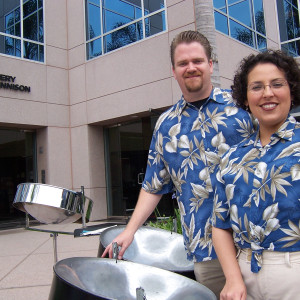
259,87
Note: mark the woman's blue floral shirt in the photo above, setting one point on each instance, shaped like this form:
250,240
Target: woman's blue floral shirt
261,202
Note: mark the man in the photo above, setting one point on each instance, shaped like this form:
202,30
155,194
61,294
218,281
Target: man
186,147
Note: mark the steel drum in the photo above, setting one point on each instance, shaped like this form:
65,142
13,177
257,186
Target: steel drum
52,205
90,278
155,247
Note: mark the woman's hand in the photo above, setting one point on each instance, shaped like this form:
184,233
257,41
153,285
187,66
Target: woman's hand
234,290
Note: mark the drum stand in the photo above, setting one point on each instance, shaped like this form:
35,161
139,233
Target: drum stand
54,233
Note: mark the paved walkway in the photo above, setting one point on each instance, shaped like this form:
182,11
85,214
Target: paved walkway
27,259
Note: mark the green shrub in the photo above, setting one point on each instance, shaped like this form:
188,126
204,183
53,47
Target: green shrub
166,223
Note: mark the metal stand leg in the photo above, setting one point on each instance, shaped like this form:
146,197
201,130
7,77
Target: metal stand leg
54,235
27,221
83,208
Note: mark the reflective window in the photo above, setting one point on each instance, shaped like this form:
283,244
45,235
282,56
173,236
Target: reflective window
288,19
243,20
22,29
112,24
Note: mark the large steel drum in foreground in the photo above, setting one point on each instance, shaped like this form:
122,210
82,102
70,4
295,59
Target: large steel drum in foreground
88,278
52,205
155,247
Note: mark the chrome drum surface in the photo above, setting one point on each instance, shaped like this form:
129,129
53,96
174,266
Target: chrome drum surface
102,278
50,204
154,247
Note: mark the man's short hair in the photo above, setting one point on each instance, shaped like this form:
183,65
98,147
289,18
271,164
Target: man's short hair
188,37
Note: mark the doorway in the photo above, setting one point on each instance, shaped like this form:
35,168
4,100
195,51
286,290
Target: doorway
127,147
17,160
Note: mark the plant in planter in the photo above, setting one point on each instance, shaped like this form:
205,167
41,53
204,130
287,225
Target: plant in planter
171,223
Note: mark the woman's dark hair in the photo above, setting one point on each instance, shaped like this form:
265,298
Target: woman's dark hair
282,61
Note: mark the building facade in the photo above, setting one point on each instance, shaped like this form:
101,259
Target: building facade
82,83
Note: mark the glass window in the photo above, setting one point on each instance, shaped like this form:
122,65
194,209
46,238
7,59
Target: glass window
240,11
112,20
112,24
94,26
155,24
125,8
11,46
33,51
243,20
288,19
241,33
292,48
122,37
261,42
220,5
151,6
12,22
94,48
259,16
26,17
29,7
221,23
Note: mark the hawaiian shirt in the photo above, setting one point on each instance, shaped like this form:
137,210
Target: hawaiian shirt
186,147
261,202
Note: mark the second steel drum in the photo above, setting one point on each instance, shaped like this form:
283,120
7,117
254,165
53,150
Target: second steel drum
154,247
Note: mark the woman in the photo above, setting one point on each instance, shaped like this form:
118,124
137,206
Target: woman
256,221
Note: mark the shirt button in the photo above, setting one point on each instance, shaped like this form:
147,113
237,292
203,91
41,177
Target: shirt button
208,149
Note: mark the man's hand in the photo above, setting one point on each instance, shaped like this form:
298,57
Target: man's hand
124,239
144,207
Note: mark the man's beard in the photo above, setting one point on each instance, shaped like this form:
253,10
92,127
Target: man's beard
193,87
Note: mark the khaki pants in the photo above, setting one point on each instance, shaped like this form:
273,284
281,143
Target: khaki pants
278,279
210,274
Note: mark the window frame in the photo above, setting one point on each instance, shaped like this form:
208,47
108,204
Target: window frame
282,24
254,31
103,34
21,38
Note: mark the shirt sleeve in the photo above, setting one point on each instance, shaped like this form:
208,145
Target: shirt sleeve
157,178
221,213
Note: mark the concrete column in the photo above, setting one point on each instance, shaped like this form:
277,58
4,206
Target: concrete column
88,167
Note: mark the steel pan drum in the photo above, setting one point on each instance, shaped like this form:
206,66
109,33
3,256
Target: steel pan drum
50,204
89,278
155,247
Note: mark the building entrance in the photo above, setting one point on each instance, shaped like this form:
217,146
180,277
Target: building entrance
17,165
127,147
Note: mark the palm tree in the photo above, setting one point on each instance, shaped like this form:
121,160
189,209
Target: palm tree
205,23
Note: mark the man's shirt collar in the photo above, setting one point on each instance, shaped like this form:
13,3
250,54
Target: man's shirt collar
218,95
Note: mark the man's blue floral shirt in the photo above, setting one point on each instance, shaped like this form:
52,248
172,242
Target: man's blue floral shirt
261,202
186,147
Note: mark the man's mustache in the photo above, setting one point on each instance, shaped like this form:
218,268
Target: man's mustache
190,75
